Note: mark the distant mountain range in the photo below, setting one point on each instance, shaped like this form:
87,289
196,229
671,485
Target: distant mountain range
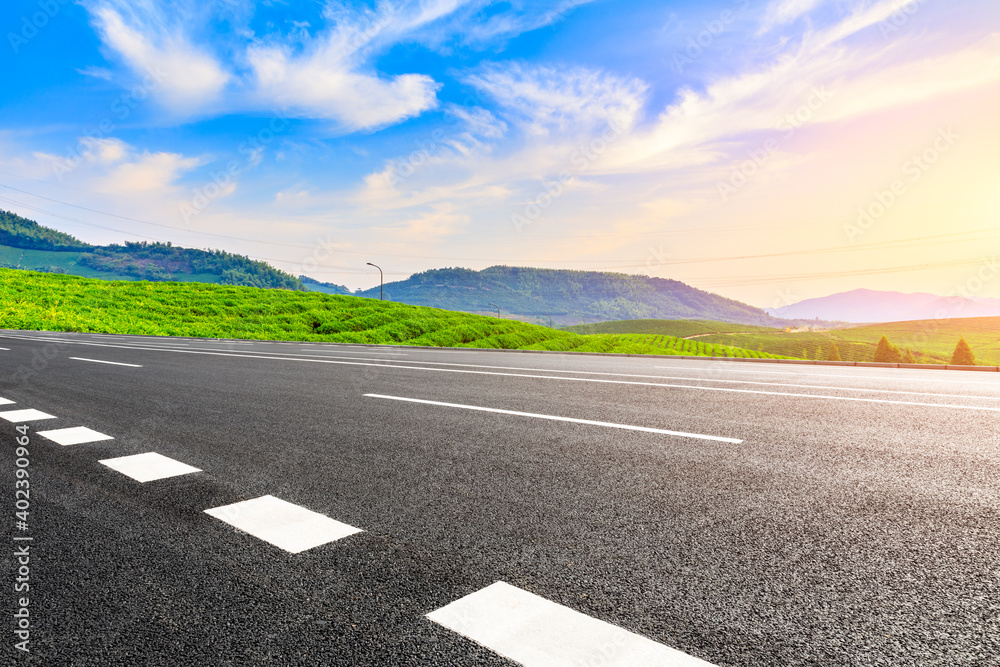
865,305
568,297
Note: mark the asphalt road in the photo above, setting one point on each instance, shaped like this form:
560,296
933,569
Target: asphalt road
830,515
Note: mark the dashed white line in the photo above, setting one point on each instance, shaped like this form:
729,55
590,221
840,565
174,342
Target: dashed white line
29,415
102,361
149,467
6,401
77,435
536,632
283,524
589,422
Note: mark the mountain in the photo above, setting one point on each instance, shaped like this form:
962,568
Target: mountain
24,244
865,305
566,296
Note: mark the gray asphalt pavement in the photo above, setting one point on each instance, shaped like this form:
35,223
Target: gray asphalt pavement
855,522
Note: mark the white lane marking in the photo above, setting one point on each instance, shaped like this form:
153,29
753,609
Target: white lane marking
536,632
397,354
101,361
149,467
283,524
25,415
386,364
6,401
859,376
77,435
573,420
5,349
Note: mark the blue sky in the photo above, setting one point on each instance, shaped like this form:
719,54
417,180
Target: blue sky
743,147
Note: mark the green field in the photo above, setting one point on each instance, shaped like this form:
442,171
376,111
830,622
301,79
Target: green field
53,302
679,328
932,341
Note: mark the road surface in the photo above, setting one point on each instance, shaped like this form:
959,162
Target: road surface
237,503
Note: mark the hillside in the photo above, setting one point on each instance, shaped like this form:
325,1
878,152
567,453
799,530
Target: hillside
567,296
865,305
27,245
47,302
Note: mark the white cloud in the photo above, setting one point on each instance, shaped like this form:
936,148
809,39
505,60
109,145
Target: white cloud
182,77
323,84
544,98
781,12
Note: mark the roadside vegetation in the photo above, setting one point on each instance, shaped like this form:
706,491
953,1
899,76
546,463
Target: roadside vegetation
52,302
918,341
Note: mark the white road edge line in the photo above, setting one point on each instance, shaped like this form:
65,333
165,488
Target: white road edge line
536,632
590,422
101,361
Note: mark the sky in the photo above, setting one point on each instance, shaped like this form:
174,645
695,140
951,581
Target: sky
766,151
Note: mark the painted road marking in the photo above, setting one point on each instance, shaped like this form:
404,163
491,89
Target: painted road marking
384,363
573,420
77,435
283,524
536,632
5,349
149,467
101,361
6,401
860,375
25,415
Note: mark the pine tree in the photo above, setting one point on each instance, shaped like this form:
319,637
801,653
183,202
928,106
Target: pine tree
819,352
834,353
886,352
962,356
908,357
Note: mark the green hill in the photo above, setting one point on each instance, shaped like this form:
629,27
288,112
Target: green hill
27,245
538,294
49,302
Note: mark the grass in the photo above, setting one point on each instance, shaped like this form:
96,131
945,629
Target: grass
932,341
679,328
54,302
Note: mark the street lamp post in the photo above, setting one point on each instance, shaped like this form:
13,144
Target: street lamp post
379,279
550,321
498,309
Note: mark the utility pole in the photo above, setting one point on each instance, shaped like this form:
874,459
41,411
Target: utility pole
498,309
380,281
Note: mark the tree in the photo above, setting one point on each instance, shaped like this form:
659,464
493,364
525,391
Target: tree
962,356
834,354
819,352
908,357
886,352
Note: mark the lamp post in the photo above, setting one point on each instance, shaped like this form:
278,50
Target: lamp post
550,321
379,279
498,309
